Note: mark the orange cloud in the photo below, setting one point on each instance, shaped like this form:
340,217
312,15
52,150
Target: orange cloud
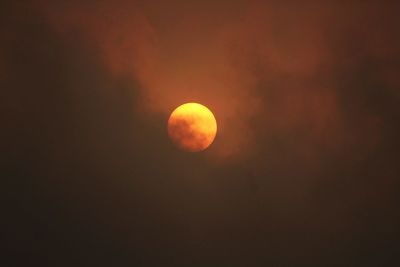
267,63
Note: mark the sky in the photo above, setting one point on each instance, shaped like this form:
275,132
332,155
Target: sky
304,169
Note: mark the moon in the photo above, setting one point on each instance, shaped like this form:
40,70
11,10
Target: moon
192,127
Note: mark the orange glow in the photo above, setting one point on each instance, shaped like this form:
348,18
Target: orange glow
192,127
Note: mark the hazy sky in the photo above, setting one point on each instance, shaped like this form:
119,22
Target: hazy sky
304,170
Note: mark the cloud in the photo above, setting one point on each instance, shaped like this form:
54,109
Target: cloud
252,58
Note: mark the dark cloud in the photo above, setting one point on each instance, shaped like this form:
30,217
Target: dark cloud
303,171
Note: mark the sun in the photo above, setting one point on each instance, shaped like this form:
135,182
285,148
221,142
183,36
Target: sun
192,127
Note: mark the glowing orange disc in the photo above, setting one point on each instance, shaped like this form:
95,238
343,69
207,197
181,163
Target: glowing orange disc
192,127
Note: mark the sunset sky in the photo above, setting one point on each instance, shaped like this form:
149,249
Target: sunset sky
304,170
